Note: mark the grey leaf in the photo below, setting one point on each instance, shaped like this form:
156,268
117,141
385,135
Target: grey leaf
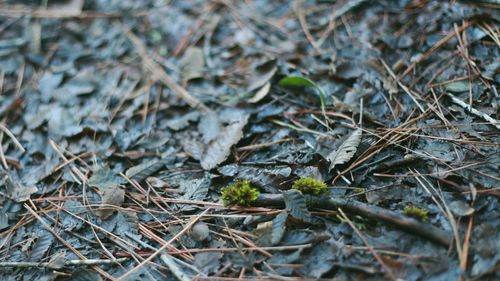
346,150
296,204
41,246
218,150
278,228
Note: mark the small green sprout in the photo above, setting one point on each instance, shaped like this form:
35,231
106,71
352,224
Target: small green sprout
241,193
310,186
418,213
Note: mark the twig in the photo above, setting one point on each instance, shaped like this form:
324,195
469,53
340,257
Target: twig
176,270
66,263
374,212
436,46
11,135
262,145
474,111
64,242
408,91
370,248
165,246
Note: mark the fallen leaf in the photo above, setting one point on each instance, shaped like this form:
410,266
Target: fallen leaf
218,150
261,93
346,150
192,63
16,190
113,196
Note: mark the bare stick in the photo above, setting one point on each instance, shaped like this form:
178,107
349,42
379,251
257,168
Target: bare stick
165,246
474,111
11,135
408,91
66,263
65,243
374,212
388,271
174,268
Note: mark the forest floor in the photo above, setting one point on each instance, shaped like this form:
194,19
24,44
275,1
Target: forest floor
249,140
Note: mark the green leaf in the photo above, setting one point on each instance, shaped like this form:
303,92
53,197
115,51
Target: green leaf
297,81
457,87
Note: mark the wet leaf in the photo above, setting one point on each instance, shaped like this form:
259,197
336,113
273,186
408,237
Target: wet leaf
320,260
460,208
146,169
57,261
199,231
105,178
296,205
261,93
209,126
85,275
208,262
41,246
298,237
4,220
278,228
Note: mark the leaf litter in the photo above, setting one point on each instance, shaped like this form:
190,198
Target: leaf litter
122,121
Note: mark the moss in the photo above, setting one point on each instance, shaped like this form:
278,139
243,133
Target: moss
241,193
359,190
310,186
415,212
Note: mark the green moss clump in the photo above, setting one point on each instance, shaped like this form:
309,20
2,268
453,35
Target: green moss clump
310,186
415,212
241,193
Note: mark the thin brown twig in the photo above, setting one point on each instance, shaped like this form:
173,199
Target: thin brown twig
405,89
66,263
387,270
65,243
162,248
436,46
12,137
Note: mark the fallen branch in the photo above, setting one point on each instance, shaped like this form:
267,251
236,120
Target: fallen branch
66,263
474,111
368,211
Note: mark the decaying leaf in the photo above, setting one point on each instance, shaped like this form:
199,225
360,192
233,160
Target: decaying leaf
192,63
57,261
41,246
16,190
113,196
346,150
105,178
218,149
142,171
85,275
278,228
296,204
